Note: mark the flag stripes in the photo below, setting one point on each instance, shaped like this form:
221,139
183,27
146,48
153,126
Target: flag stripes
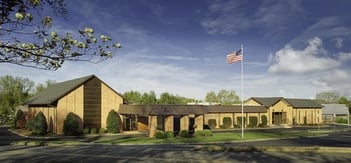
234,57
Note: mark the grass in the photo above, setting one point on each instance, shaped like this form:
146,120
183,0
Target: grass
217,137
226,136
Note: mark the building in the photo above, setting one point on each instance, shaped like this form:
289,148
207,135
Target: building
88,97
288,111
332,112
92,99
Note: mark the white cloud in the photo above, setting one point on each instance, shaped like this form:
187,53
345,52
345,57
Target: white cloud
344,56
326,28
230,17
337,80
310,59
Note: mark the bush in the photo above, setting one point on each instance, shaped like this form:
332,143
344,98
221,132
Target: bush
169,134
29,124
86,131
160,135
264,121
238,120
102,130
341,120
164,134
19,120
253,121
93,130
113,122
29,121
203,133
40,125
227,122
72,125
184,133
212,123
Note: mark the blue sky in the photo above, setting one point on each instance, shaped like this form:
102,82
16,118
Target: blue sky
292,48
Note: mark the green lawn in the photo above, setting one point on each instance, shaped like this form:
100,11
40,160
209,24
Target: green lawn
217,137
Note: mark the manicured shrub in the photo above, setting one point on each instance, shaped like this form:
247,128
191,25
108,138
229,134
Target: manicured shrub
160,135
227,122
305,120
40,125
341,120
169,134
212,123
93,130
113,122
184,133
203,133
238,120
29,121
86,131
253,121
264,120
19,120
102,130
72,125
294,121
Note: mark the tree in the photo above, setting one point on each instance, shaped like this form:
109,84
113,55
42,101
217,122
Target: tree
225,97
347,102
133,97
328,97
13,92
31,42
167,98
40,87
148,98
113,122
211,97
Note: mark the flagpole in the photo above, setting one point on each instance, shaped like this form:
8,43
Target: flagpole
242,91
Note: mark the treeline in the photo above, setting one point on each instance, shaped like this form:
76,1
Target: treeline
14,91
148,98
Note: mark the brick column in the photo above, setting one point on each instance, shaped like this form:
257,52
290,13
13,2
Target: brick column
169,123
184,123
152,126
199,122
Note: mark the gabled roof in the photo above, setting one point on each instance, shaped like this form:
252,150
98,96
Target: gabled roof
295,103
303,103
267,101
56,91
335,109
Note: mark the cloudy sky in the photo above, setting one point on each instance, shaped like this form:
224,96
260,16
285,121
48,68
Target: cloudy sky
292,48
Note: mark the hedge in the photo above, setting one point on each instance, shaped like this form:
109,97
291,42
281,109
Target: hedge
227,122
212,123
72,125
40,126
113,122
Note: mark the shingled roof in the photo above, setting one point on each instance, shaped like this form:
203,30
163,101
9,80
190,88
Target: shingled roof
56,91
296,103
145,110
303,103
267,101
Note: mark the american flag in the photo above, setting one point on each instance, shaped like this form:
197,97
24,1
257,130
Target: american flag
234,57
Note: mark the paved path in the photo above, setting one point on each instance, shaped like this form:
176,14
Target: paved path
155,153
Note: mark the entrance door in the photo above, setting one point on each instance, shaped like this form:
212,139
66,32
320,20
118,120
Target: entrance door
279,118
176,125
